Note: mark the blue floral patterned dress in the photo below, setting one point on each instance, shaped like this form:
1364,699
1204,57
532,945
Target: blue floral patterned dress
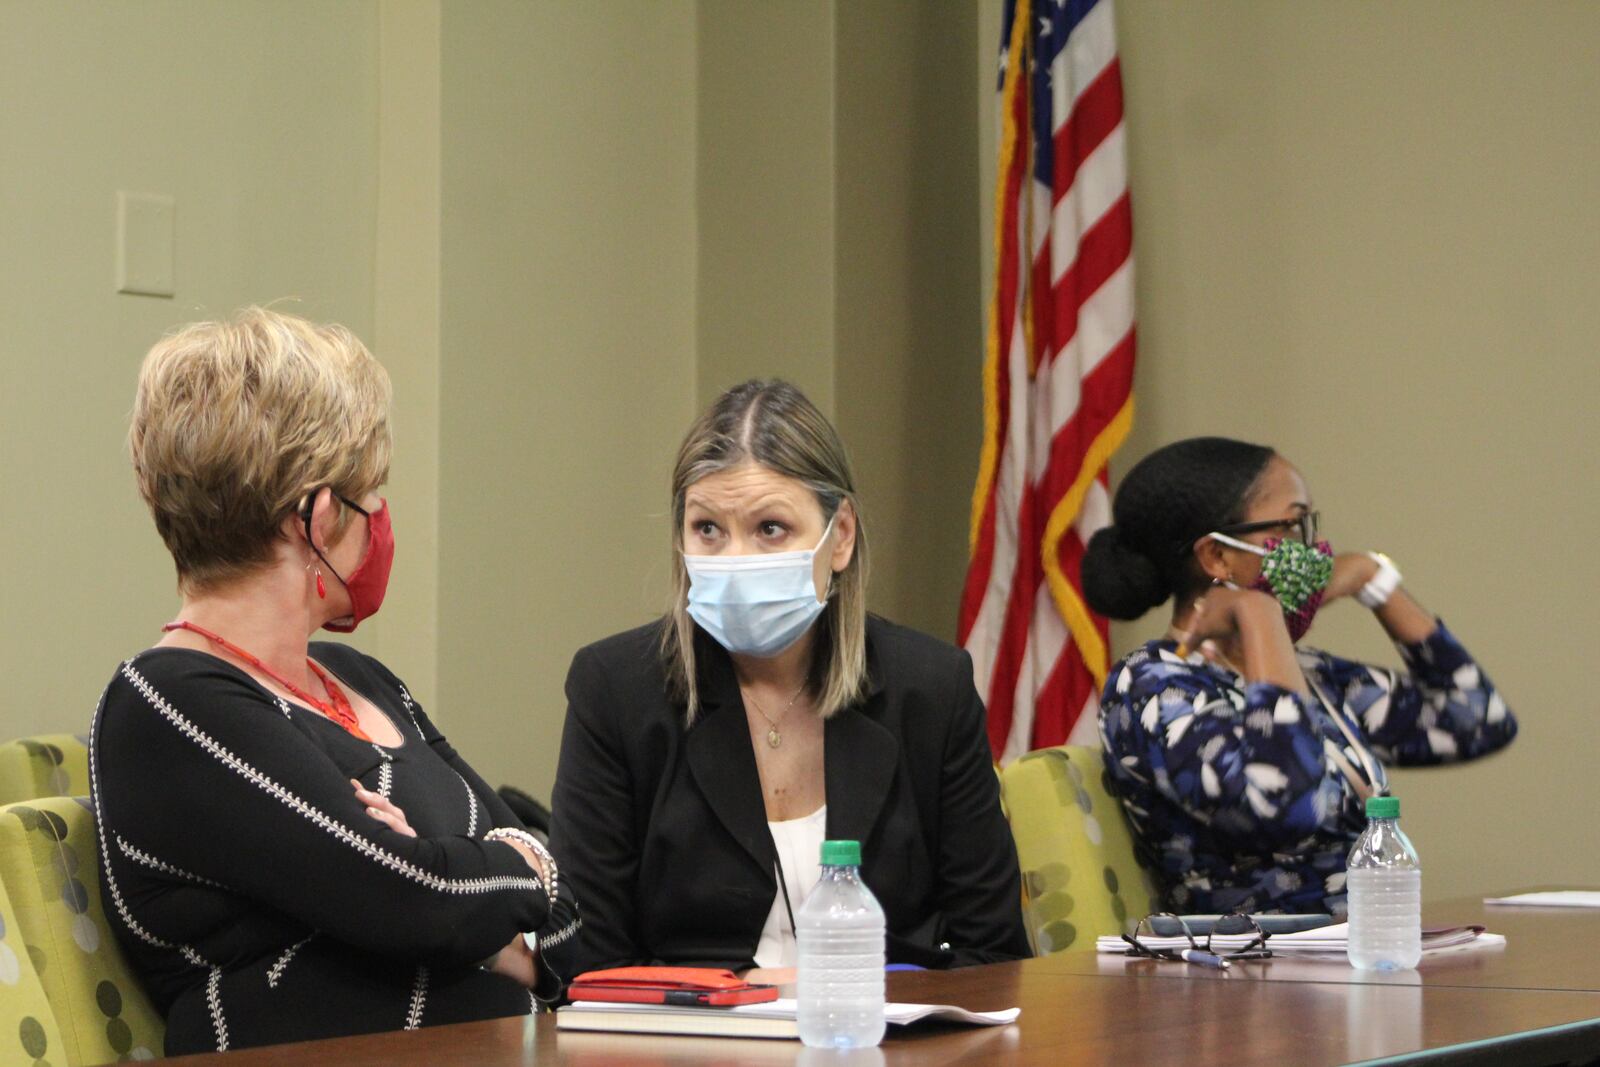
1249,796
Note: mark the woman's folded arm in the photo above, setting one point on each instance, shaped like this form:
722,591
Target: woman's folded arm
206,775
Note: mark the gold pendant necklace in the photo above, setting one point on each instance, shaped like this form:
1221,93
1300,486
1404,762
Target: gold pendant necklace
774,737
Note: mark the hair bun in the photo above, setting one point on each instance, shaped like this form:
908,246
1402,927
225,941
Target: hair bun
1119,580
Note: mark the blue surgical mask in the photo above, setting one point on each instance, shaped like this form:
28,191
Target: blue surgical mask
756,605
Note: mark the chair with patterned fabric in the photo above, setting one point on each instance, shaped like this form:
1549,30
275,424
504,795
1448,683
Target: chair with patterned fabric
46,765
1079,875
25,1015
50,867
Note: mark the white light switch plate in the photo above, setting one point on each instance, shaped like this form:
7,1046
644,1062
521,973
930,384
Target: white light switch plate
146,235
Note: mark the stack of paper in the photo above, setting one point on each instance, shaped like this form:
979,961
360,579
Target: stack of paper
1166,926
1323,941
1557,898
775,1018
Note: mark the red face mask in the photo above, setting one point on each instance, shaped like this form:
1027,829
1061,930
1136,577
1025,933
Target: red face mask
370,580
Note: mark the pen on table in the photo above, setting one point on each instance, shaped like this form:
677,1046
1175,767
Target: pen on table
1204,959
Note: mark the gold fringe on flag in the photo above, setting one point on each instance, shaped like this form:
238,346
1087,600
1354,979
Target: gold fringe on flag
1085,635
1016,82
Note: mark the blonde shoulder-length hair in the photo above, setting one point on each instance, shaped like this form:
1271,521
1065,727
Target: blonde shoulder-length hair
772,424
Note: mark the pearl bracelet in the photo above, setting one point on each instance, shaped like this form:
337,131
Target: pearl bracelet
533,844
1376,593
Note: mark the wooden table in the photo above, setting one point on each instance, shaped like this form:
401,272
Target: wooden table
1535,1002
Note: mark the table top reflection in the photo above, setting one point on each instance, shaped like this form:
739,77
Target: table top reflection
1075,1012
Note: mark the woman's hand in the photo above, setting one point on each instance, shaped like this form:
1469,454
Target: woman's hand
771,975
1250,624
1351,571
383,809
1406,621
515,961
1223,613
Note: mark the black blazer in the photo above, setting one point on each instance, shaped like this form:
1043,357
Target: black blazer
662,831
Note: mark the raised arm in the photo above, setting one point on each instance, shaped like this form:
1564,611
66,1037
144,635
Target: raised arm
1441,709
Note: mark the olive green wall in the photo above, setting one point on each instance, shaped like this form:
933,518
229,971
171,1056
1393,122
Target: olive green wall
909,313
1365,236
765,160
259,119
775,192
406,329
836,186
567,340
562,227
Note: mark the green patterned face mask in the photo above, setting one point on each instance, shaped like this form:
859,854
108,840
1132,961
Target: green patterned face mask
1292,571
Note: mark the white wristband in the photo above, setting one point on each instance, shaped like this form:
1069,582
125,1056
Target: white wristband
1376,593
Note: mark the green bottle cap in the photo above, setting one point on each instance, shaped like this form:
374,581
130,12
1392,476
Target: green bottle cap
1383,807
841,853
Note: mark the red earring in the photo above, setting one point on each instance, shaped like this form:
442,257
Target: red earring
322,590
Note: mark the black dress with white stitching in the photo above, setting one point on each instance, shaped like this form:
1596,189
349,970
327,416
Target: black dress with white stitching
258,900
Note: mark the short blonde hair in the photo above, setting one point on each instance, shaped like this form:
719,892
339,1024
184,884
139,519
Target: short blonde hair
772,424
235,422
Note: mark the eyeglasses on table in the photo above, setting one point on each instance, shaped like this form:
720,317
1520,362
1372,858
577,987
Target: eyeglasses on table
1147,943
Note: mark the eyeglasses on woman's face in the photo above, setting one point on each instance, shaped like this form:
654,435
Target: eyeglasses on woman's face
1304,526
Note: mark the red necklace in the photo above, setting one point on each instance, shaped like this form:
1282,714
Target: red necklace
339,710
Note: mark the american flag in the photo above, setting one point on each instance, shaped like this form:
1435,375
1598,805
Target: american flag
1058,374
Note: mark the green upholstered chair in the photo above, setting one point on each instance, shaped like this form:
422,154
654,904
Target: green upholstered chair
50,867
49,765
1079,875
28,1031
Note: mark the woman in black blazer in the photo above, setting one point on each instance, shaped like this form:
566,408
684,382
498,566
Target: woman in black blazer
698,750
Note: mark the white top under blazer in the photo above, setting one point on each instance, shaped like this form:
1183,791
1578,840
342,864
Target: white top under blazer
799,846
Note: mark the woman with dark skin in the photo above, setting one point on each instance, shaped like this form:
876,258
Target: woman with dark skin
1243,761
1245,627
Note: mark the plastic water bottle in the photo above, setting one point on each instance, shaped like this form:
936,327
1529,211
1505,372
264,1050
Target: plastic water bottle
840,940
1384,882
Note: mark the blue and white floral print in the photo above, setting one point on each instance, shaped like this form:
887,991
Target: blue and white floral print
1249,796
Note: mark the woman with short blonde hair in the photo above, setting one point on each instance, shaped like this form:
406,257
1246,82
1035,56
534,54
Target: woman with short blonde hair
235,423
291,850
708,754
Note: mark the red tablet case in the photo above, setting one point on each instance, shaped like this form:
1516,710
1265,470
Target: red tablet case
689,986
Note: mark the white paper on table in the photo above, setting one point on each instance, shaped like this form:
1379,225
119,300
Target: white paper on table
1558,898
